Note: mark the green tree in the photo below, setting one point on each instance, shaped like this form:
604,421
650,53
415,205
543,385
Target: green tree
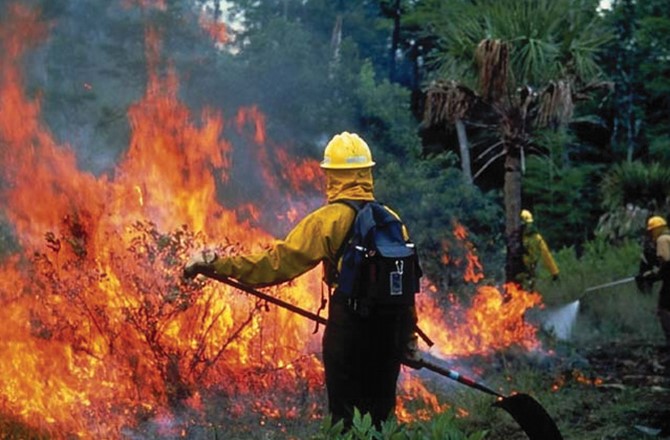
638,61
305,59
528,61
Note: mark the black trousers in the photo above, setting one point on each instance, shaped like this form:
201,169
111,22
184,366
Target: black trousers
664,307
362,359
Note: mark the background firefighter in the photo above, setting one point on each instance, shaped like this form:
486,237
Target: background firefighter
658,232
361,354
648,261
534,249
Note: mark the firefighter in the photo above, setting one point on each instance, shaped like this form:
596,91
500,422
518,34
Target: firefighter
534,249
647,263
658,232
361,354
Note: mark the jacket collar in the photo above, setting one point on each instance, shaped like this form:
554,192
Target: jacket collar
354,184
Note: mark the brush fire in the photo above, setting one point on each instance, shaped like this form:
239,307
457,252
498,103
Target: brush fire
101,332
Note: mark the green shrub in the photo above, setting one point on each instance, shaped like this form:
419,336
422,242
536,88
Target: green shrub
444,426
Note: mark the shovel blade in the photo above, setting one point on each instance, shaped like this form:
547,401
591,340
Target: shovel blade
531,416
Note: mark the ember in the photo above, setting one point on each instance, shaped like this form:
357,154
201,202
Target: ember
104,334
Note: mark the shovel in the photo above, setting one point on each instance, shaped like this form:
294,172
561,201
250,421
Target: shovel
527,412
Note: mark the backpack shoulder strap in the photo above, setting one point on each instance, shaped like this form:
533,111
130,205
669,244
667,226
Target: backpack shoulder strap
331,272
356,205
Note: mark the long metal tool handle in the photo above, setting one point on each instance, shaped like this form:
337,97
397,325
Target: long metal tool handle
454,375
613,283
271,299
451,374
293,308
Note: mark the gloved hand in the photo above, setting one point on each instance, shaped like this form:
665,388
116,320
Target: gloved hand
412,356
199,263
646,277
639,279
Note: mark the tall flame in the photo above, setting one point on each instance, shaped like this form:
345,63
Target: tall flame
102,331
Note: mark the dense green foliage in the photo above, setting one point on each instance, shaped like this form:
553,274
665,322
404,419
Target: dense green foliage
637,62
567,193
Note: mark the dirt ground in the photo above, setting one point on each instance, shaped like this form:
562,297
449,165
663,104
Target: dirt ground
644,368
624,394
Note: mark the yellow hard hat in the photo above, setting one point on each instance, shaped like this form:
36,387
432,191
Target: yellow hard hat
655,222
526,216
347,151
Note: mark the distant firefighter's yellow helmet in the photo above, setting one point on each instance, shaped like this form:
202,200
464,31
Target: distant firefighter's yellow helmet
655,222
526,216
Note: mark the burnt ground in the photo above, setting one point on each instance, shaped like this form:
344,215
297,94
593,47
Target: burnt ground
643,372
613,391
622,391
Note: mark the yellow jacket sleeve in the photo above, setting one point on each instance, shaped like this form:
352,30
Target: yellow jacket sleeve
316,238
663,248
547,258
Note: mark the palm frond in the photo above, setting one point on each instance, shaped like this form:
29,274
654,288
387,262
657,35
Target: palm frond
447,101
645,186
493,60
555,105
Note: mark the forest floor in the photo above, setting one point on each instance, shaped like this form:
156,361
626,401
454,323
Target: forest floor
631,395
614,391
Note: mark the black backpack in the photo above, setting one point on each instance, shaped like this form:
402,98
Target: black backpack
378,266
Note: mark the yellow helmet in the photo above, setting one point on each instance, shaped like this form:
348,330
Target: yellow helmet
347,151
526,216
655,222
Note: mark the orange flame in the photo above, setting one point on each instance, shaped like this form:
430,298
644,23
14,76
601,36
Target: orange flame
493,321
217,31
473,270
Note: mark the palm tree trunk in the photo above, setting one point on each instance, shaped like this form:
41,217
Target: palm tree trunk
465,150
512,196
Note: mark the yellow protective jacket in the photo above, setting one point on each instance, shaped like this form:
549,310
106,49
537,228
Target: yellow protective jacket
535,248
662,240
316,238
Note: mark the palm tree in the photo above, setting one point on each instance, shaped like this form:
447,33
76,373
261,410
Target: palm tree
631,192
646,186
511,66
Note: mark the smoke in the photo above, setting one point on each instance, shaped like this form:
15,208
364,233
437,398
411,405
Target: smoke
88,77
